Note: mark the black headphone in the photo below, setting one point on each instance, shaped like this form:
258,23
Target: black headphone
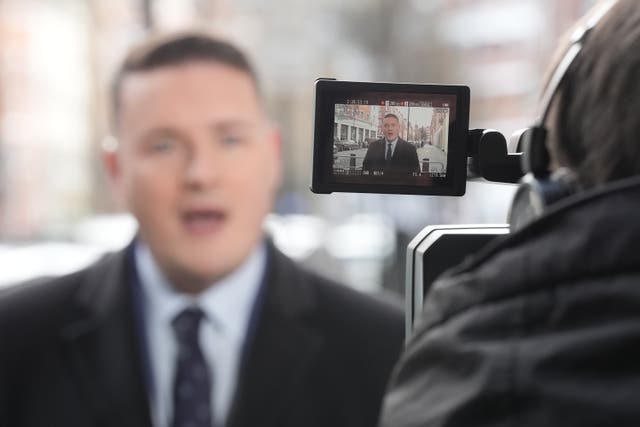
540,187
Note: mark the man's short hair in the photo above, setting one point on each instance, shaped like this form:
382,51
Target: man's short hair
594,125
176,49
391,115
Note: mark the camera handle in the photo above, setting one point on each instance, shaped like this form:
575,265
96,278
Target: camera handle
488,157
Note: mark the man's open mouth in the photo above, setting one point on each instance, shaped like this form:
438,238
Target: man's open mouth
203,220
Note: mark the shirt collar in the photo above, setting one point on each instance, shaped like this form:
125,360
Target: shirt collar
227,303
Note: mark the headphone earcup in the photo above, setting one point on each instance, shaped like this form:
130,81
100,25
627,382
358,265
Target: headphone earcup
535,156
538,187
534,195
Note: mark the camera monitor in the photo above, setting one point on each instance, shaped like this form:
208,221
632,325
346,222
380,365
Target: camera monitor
390,138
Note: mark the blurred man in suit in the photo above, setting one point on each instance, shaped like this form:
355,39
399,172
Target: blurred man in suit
200,321
391,154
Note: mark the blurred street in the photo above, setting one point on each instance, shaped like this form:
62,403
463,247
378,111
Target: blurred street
435,157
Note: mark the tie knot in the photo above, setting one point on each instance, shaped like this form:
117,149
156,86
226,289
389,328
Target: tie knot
187,323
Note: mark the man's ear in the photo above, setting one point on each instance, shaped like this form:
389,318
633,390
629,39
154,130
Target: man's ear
110,157
111,162
274,139
277,147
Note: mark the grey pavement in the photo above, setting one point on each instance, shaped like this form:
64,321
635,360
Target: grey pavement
437,158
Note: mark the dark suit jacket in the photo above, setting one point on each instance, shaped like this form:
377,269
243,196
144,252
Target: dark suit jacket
404,159
70,354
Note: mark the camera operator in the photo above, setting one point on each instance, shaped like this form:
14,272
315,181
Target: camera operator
543,327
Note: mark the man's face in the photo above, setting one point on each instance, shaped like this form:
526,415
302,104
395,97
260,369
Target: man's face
198,165
391,128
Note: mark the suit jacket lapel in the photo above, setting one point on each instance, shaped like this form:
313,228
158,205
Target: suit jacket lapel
281,351
398,152
102,347
383,149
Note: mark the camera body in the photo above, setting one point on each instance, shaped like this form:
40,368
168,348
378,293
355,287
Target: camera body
396,138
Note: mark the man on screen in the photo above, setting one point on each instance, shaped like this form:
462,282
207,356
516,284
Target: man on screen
391,154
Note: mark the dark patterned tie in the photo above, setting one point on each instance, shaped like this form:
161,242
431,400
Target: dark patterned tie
192,384
388,156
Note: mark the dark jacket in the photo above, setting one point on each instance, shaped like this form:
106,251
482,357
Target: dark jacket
404,159
70,353
540,329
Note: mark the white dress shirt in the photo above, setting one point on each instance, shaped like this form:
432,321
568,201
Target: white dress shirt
227,305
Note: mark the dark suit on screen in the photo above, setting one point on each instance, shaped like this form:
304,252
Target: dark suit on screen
404,159
72,355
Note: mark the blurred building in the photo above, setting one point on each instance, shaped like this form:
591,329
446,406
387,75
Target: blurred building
57,56
503,50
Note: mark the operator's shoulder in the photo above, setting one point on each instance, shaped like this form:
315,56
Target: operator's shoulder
38,295
31,313
356,323
338,302
337,293
331,308
46,297
407,143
